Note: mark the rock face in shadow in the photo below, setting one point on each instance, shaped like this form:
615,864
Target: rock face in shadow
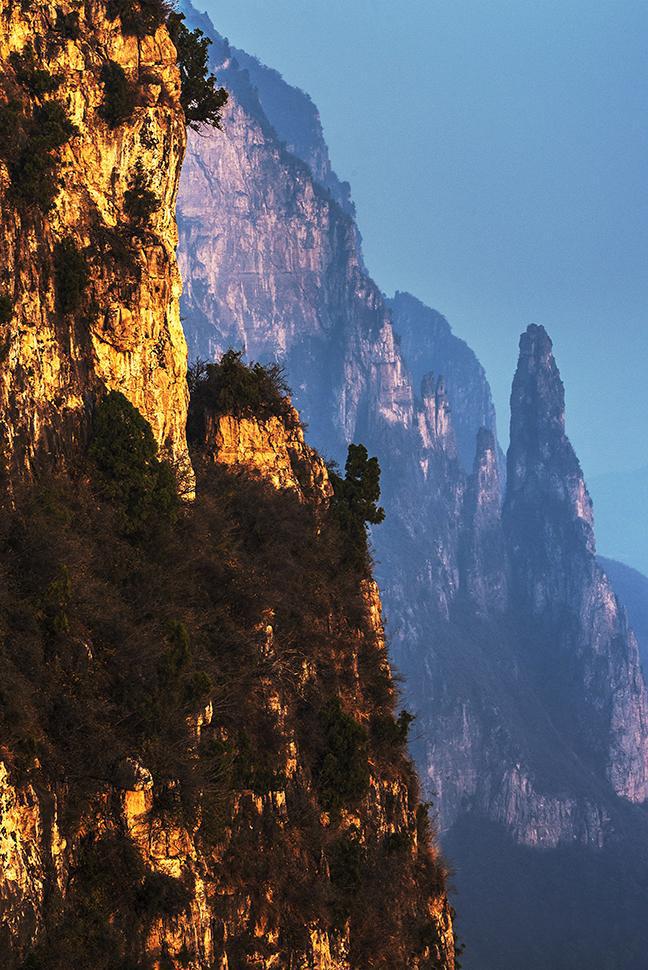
559,585
425,336
632,588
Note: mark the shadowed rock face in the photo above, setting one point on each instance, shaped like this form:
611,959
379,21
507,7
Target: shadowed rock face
425,339
548,511
632,588
483,547
559,584
125,333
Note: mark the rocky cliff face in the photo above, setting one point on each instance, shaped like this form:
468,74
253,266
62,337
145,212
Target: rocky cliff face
557,581
632,588
425,338
200,761
285,813
90,289
483,554
272,450
272,262
280,284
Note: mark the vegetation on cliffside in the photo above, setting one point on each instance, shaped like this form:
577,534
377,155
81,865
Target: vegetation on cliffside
126,617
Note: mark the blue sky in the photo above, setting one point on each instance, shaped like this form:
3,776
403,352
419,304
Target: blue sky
498,156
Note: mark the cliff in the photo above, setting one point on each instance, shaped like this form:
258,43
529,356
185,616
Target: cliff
208,770
202,763
88,233
426,337
632,588
272,263
549,521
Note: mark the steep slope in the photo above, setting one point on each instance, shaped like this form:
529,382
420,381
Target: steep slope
290,112
272,263
91,300
581,730
202,766
632,589
426,337
267,284
529,742
558,584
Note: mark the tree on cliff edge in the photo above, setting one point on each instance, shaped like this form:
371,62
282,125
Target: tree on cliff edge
356,500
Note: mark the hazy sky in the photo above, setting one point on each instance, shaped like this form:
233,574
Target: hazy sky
498,156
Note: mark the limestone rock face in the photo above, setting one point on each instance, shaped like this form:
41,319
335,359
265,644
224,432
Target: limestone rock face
548,519
426,338
272,449
125,333
483,548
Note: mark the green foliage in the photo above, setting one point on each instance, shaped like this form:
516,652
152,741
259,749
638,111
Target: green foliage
355,501
347,865
388,732
112,898
139,17
399,841
106,644
56,603
37,81
201,97
140,202
6,308
342,774
232,387
120,95
129,473
250,771
71,275
159,894
179,680
29,145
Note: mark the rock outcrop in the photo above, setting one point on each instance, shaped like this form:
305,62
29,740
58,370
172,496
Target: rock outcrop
271,450
483,554
559,585
90,288
426,339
